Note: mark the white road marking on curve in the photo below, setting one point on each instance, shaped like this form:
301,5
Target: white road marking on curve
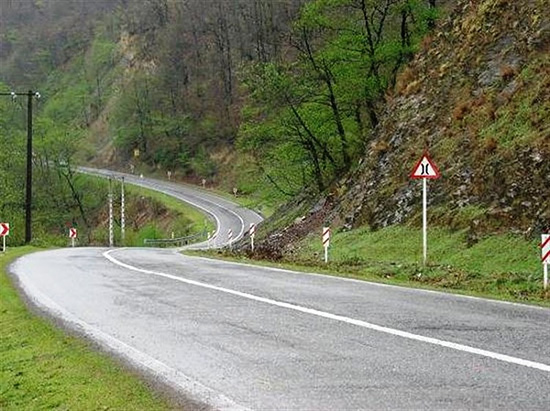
352,321
171,376
373,283
157,185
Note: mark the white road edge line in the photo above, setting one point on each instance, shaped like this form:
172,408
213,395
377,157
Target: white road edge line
354,280
154,185
169,375
323,314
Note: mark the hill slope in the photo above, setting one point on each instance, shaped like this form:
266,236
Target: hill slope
475,96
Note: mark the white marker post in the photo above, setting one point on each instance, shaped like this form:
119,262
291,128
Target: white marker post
425,169
252,232
326,241
209,238
4,232
545,247
230,238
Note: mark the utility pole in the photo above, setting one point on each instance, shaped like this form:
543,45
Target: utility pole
28,197
28,189
111,240
122,213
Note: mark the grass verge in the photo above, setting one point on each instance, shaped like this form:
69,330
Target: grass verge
198,220
504,267
42,368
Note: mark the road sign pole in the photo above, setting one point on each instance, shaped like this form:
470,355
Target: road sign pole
545,280
122,214
425,169
72,242
4,244
425,219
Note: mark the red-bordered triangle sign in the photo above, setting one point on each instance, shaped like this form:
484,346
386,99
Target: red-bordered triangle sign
425,168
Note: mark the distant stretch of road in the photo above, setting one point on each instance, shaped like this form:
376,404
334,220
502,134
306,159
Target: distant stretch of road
241,337
226,214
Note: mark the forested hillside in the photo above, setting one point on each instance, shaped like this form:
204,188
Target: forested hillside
294,85
282,98
476,96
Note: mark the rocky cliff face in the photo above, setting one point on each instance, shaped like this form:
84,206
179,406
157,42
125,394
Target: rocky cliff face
478,97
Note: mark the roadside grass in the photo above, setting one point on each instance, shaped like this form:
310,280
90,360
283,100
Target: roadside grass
504,267
199,222
41,368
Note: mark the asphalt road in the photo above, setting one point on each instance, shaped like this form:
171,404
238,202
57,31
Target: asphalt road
242,337
225,214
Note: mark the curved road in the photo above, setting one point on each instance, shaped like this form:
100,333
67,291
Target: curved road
240,337
226,214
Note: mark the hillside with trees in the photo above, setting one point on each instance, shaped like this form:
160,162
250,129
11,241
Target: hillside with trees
297,100
268,97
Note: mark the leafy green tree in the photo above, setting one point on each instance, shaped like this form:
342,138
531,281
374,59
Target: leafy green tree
309,111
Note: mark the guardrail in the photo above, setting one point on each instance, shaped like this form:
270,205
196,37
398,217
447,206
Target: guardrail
180,241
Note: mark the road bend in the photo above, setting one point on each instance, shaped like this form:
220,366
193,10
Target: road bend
236,336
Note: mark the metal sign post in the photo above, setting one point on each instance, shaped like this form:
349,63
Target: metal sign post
545,280
326,241
425,169
230,238
424,221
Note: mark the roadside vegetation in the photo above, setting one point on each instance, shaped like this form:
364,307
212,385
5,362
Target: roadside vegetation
43,368
500,266
149,215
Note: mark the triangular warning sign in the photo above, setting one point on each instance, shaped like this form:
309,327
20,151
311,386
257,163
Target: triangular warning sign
425,168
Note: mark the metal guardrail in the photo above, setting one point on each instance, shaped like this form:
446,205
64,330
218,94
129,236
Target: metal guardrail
181,241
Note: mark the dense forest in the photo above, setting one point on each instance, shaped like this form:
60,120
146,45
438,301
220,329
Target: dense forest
278,98
268,96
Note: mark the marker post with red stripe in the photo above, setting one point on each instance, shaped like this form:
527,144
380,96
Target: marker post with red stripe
252,233
230,238
545,249
4,232
326,241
